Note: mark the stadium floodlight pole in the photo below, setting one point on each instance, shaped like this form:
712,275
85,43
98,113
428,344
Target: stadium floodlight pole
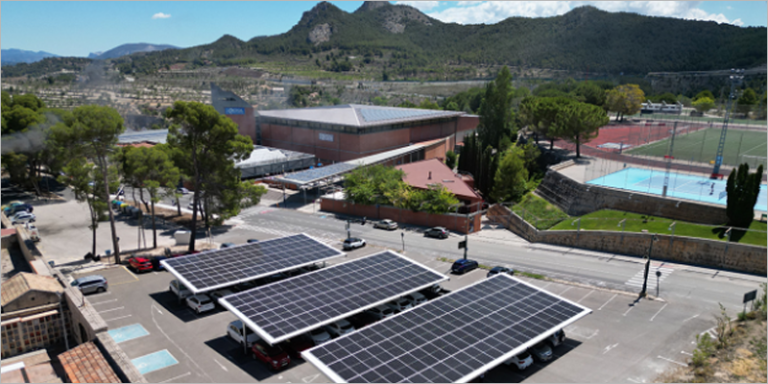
737,75
669,158
648,266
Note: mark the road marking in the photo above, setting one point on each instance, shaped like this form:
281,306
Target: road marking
221,365
118,318
609,300
672,361
657,313
546,285
686,353
564,291
585,296
154,361
634,381
630,308
104,302
608,348
210,380
129,332
157,309
310,379
177,377
110,310
691,318
639,277
131,273
593,334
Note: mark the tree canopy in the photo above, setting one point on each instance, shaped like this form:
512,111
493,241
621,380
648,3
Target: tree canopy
579,123
625,99
742,190
496,116
511,176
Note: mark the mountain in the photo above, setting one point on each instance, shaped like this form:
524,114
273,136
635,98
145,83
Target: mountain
399,42
127,49
13,56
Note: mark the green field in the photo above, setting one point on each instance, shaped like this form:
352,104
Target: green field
608,220
701,146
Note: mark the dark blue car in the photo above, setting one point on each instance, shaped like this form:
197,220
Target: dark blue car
498,270
462,266
156,263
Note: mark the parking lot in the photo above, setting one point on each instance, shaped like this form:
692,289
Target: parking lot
622,340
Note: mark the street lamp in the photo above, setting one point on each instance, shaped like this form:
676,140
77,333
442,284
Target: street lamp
648,266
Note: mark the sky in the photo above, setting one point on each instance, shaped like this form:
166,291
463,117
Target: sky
77,28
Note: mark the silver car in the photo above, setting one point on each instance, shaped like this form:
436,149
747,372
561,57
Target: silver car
386,224
90,284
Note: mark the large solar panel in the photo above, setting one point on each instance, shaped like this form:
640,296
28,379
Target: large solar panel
451,339
226,267
319,173
290,307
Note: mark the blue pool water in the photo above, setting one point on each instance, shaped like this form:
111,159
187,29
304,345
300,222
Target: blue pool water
689,187
128,333
154,361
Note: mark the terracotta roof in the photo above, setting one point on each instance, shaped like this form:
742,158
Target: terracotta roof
24,282
86,364
418,174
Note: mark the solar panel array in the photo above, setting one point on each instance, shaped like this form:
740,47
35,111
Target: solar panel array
229,266
375,114
289,307
453,338
319,173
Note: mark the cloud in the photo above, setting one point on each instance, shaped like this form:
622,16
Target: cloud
420,5
488,12
160,15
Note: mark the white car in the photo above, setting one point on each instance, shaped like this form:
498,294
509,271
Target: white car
200,303
179,289
381,312
416,299
216,295
522,361
338,328
319,336
400,304
386,224
182,190
235,331
353,243
22,218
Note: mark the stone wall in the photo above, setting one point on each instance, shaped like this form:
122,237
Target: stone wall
577,199
679,249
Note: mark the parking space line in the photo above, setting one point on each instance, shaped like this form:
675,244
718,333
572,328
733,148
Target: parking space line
176,377
672,361
657,313
104,302
691,318
131,273
585,296
118,318
129,332
609,300
630,308
154,361
221,365
110,310
564,291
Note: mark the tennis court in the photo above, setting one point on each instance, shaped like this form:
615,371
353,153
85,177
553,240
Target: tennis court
689,187
701,146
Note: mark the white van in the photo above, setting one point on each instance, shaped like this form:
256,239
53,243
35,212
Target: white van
34,234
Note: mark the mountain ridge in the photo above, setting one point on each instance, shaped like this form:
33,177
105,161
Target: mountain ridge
13,55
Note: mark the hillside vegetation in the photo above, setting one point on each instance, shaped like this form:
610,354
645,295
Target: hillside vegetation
398,41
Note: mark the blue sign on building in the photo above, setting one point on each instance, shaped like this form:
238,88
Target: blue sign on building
234,111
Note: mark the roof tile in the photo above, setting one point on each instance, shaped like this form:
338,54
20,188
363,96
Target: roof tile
86,364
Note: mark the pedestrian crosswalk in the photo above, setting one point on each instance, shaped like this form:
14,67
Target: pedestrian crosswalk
325,237
639,277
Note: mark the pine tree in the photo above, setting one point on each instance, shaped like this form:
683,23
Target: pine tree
742,189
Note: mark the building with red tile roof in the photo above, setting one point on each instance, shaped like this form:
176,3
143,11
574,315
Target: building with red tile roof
86,364
422,174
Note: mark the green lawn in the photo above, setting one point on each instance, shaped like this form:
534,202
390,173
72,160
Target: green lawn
701,146
608,220
538,212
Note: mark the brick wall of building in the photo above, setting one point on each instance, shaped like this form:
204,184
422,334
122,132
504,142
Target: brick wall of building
246,123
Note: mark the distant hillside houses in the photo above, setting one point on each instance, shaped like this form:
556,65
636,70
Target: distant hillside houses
650,107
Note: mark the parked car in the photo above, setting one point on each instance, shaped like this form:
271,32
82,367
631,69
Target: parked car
295,345
218,294
522,361
90,284
319,335
498,270
353,243
251,241
200,303
179,289
437,232
381,312
12,203
235,331
182,190
416,299
338,328
400,304
34,234
246,285
16,208
362,320
140,264
462,266
156,263
541,351
556,338
272,355
22,218
227,245
386,224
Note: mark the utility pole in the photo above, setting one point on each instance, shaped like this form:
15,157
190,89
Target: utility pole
737,76
669,157
648,266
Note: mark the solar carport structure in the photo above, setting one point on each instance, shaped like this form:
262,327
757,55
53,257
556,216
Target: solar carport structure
290,307
454,338
226,267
